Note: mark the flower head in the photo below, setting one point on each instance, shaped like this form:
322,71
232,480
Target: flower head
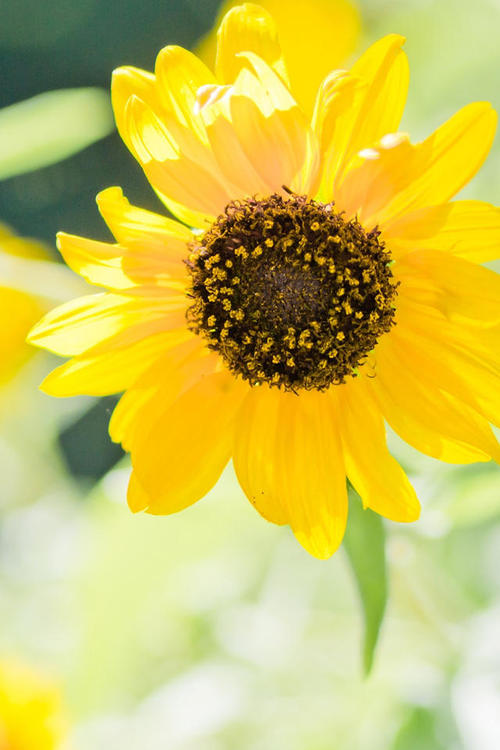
20,309
317,283
31,715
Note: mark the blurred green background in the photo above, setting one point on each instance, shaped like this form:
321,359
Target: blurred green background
212,630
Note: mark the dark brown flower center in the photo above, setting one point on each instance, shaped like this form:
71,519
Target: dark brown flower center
289,292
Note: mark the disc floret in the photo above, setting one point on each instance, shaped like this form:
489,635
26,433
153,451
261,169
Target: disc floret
289,292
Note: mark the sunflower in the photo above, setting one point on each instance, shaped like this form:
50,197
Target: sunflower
317,284
31,714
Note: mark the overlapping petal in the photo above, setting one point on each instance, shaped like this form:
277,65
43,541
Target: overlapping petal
76,326
464,292
468,229
192,441
424,413
453,355
394,177
196,154
324,36
247,28
291,467
376,476
375,109
111,366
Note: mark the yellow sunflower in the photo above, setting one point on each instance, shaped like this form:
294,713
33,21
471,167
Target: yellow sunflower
31,715
317,283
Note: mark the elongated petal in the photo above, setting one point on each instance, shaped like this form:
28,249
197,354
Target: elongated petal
257,432
125,83
426,416
335,95
464,292
273,133
82,323
23,310
173,174
234,161
160,384
384,66
183,455
135,227
468,229
99,263
376,476
179,75
375,176
324,36
396,177
247,28
376,109
156,247
110,369
295,472
434,351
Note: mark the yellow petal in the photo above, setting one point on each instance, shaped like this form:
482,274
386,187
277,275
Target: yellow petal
257,433
167,125
137,499
183,455
335,95
323,33
157,247
134,227
297,473
425,415
272,131
126,82
466,360
178,179
396,177
247,28
448,159
376,476
20,312
311,471
179,75
110,368
469,229
161,383
467,377
464,292
233,160
98,262
375,110
374,176
84,322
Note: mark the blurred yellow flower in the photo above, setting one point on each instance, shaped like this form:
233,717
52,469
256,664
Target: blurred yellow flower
31,715
18,309
328,285
30,284
324,33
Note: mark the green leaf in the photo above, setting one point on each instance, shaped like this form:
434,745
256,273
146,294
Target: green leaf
50,127
364,543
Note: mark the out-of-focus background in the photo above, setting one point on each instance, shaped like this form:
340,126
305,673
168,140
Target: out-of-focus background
211,629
